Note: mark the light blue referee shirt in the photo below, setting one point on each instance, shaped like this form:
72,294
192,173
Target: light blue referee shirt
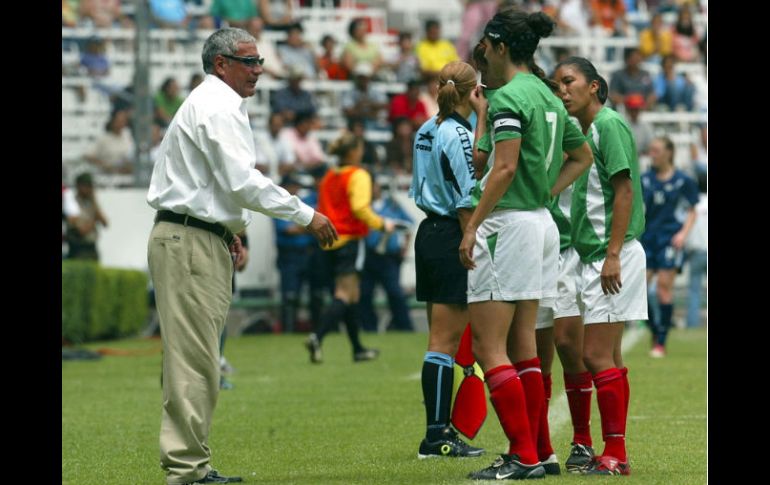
442,167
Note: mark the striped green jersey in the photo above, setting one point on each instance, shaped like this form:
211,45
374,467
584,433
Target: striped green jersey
560,205
525,108
614,150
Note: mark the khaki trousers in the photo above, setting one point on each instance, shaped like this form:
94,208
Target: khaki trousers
192,272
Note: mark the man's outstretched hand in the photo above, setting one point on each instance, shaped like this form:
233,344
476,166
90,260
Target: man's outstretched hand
322,229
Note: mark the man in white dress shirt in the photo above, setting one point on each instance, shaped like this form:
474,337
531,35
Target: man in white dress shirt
202,183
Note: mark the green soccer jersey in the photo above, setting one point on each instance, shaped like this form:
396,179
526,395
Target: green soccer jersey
560,205
525,108
560,211
614,150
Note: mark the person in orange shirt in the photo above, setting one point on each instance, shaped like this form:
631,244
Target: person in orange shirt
345,196
611,15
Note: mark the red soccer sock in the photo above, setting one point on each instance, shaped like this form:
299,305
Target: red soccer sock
627,390
532,381
579,389
610,394
544,448
507,396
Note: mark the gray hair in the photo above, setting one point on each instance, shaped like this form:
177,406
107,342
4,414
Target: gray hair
223,41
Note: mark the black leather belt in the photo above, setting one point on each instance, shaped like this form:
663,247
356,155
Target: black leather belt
185,220
432,216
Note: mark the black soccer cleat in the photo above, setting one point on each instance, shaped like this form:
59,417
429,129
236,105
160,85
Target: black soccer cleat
365,354
580,456
551,465
450,444
314,347
508,467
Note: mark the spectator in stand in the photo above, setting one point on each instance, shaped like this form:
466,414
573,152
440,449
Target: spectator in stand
236,13
359,50
407,65
102,14
168,14
274,65
476,13
69,13
384,254
82,224
399,151
297,54
631,79
123,100
608,18
656,40
114,150
408,105
573,17
329,64
372,159
611,16
93,59
195,80
642,130
673,90
434,52
363,101
275,157
429,97
685,41
278,14
308,152
166,102
703,47
292,99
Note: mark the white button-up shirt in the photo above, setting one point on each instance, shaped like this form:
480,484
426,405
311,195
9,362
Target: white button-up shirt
205,165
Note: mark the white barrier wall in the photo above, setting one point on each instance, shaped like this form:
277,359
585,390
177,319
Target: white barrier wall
123,244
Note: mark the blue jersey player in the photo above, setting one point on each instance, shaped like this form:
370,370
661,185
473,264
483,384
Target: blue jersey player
669,200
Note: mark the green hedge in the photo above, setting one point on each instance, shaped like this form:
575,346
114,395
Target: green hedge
99,303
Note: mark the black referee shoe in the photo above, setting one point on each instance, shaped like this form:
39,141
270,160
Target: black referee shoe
449,444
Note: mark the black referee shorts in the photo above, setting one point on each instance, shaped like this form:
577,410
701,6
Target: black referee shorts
441,278
347,259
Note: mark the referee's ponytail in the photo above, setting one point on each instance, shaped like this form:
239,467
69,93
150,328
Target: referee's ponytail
455,81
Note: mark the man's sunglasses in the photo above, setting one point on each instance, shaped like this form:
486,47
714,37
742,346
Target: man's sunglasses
249,61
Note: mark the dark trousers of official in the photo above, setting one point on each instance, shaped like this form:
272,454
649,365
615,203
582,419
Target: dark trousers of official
384,269
293,265
192,272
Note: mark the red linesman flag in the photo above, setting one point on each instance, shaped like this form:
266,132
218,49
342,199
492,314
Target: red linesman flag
470,405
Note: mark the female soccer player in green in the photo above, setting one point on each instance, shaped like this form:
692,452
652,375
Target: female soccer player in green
511,244
607,218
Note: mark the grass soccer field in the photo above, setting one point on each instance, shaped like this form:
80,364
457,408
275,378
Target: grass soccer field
290,422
